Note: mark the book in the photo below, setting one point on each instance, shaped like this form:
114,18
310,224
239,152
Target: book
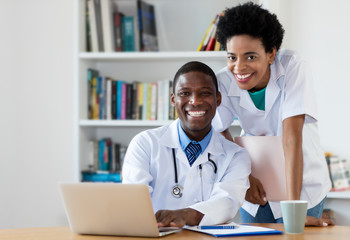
144,101
212,40
93,155
211,33
118,32
108,98
154,99
134,100
114,99
140,93
88,176
93,26
116,167
147,27
102,155
98,19
94,99
87,29
206,36
119,99
100,96
91,73
149,101
107,22
339,173
128,34
129,100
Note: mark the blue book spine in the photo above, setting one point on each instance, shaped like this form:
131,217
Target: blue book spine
119,99
103,162
128,34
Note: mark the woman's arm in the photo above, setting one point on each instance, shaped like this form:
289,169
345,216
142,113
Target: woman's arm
293,153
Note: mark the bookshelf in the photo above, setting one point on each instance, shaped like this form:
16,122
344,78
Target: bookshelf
180,29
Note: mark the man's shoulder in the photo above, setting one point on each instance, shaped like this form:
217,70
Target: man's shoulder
227,145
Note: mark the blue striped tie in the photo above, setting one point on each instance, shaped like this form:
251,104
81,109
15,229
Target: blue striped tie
192,151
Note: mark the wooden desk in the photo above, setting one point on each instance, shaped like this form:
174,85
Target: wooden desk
64,233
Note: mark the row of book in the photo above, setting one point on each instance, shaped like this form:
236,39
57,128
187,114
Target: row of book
105,156
209,41
108,29
339,172
110,99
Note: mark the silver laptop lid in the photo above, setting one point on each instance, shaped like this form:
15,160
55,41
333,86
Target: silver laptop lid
109,209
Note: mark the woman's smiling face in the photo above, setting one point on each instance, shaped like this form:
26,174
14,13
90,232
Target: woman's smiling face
248,61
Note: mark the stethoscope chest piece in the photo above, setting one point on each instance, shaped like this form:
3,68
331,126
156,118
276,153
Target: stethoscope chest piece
177,191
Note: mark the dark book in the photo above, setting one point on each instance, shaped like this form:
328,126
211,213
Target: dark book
147,27
88,30
118,31
116,167
114,100
129,100
98,17
134,107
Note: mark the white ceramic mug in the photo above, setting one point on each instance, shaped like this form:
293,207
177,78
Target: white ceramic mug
294,215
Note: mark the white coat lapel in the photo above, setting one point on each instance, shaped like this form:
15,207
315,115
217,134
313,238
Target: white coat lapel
272,89
244,98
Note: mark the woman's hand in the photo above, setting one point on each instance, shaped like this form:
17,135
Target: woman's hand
256,193
318,222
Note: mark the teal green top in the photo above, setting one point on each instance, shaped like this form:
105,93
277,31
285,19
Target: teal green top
258,98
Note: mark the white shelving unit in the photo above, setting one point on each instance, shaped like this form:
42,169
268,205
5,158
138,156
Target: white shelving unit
181,25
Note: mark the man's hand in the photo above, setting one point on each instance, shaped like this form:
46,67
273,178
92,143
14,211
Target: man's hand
256,193
318,222
178,218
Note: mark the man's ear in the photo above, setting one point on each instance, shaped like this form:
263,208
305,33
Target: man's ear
218,99
172,99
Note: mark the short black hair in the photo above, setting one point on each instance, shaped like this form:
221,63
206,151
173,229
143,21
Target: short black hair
195,66
253,20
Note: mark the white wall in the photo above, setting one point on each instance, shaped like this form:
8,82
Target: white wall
36,113
320,31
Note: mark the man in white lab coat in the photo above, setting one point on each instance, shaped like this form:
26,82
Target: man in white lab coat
195,176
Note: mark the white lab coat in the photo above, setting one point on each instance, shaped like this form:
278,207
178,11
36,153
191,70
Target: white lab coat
149,160
288,93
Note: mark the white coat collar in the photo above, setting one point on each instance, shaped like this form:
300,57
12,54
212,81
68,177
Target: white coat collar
272,89
170,138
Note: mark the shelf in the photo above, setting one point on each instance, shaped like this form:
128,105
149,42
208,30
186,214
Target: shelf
339,195
128,123
123,56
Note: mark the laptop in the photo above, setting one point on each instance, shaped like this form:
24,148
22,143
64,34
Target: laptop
268,163
113,209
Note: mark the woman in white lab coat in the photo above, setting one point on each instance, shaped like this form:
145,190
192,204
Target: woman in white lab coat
212,189
270,92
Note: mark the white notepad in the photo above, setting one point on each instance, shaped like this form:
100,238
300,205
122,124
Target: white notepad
238,230
268,163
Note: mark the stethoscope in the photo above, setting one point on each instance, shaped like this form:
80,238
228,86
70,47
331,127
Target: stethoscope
177,189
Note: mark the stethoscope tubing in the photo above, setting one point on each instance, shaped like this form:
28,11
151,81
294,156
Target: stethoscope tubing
177,189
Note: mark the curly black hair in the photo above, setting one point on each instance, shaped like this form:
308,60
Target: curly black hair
253,20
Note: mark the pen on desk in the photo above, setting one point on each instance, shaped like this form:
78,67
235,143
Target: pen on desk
217,227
